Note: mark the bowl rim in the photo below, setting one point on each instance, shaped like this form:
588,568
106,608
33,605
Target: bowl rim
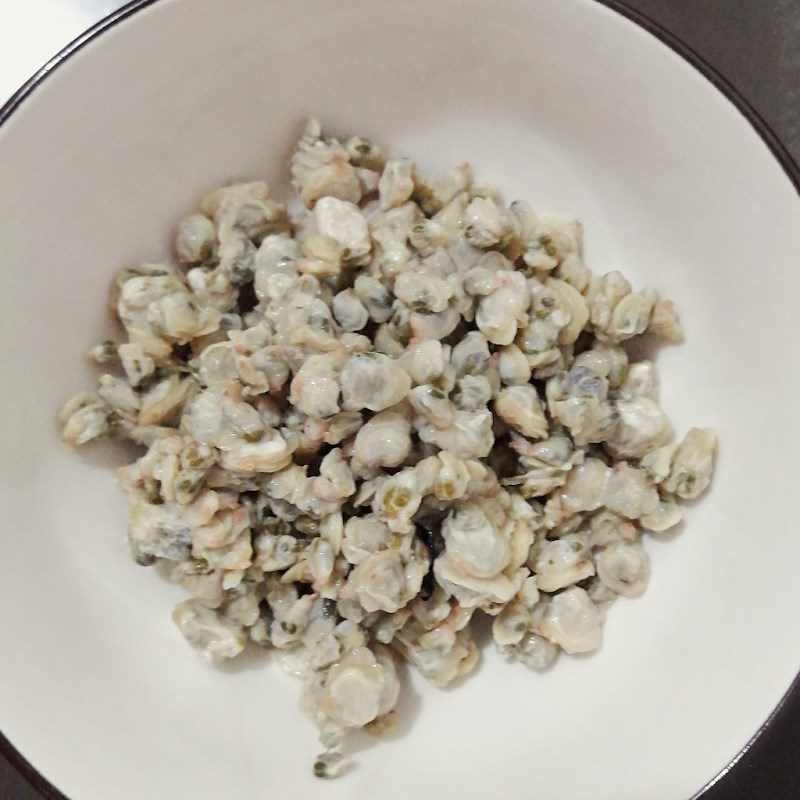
789,165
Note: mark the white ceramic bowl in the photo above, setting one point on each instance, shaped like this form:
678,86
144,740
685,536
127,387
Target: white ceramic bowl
564,102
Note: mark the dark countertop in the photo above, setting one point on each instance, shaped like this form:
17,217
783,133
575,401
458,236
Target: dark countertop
755,44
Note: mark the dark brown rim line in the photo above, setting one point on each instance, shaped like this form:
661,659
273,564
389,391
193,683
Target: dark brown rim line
125,11
758,123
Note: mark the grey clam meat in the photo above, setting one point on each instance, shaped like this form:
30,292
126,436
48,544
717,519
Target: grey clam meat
377,412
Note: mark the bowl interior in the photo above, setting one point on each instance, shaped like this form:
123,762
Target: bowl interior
566,104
